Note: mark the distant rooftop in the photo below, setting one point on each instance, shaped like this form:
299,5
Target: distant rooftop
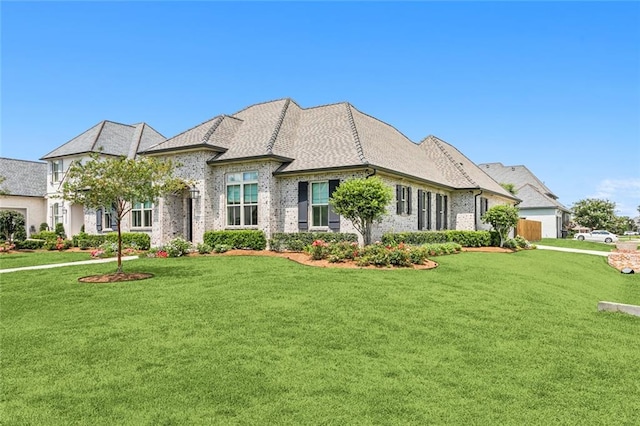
24,178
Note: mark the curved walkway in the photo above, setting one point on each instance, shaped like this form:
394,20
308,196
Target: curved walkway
58,265
570,250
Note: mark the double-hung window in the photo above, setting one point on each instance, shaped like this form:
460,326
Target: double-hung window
403,199
242,199
484,205
56,171
141,215
56,213
320,203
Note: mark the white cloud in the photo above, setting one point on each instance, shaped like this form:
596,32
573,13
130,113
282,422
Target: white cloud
624,192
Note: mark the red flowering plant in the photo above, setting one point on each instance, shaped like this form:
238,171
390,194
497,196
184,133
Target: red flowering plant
60,244
341,251
318,250
7,247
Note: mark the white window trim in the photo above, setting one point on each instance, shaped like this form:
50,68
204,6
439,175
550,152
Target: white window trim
142,210
312,205
57,172
242,204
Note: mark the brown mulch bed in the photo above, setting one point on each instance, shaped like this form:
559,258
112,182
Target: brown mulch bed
115,278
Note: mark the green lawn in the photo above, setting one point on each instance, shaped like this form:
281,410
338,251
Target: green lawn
40,257
485,338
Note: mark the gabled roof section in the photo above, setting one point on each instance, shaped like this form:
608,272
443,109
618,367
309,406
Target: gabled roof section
213,134
458,168
533,197
110,138
517,175
24,178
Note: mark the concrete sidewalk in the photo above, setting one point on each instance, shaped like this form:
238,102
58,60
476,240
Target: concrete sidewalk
58,265
570,250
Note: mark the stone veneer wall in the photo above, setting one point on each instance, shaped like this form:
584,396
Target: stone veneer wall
278,201
170,212
287,220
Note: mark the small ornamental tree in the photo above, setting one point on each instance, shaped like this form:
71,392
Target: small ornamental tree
503,218
119,182
509,187
10,224
363,201
594,213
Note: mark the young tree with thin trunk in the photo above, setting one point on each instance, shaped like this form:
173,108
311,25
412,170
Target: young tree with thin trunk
119,182
363,201
503,218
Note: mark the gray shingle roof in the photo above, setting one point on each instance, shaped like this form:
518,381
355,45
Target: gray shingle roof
517,175
533,197
532,191
24,178
328,137
110,138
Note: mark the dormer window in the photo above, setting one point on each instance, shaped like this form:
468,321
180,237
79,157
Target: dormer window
56,171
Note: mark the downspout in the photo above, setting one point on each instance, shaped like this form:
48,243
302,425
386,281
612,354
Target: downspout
475,209
372,174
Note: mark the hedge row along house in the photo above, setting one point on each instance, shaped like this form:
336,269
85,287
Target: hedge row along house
273,166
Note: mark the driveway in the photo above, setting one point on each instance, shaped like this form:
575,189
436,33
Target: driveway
570,250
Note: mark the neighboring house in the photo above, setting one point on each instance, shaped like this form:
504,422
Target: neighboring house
273,166
538,201
107,139
26,186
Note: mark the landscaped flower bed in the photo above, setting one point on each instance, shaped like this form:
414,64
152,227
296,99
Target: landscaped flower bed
378,254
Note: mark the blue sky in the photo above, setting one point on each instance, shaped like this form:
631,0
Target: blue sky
551,85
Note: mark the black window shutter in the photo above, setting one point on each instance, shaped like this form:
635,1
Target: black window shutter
114,222
99,220
428,210
398,199
438,212
408,200
420,209
303,206
446,213
334,218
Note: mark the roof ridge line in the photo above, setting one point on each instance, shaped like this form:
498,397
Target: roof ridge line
276,131
134,152
356,137
93,145
455,164
213,128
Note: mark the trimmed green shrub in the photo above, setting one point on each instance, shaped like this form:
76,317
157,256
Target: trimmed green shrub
204,248
241,239
59,231
222,248
45,235
414,238
178,247
44,227
464,238
30,244
297,241
138,240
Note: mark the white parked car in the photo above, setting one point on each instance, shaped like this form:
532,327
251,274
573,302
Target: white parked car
630,233
596,235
